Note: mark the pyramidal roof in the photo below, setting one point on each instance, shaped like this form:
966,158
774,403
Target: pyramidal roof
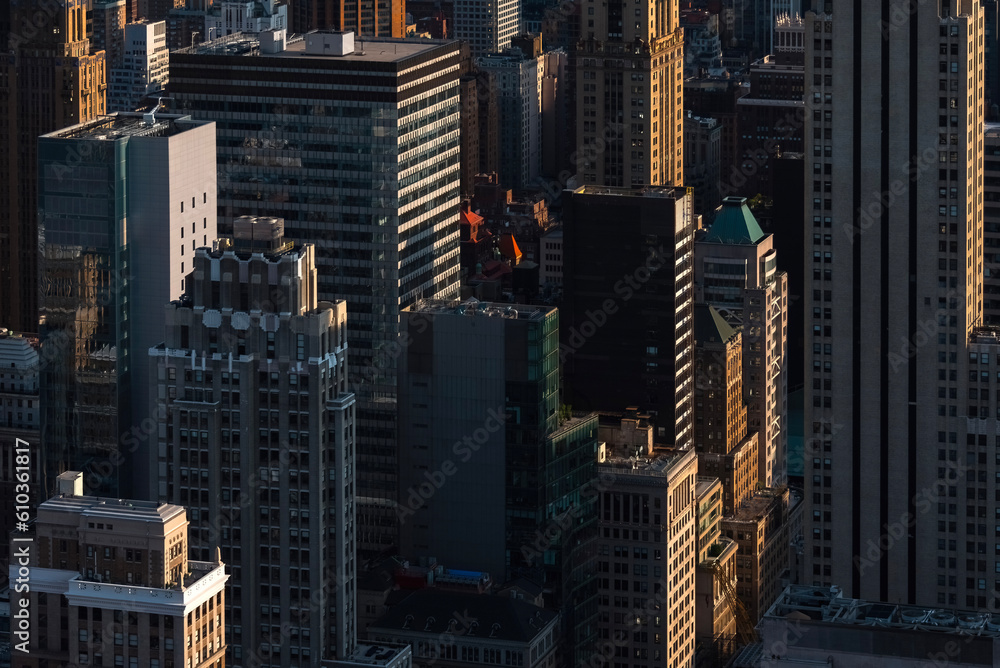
710,326
735,224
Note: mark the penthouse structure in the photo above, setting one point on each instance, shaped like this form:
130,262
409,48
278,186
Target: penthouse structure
111,584
256,434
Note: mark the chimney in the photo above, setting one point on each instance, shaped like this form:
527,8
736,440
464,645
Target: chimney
70,483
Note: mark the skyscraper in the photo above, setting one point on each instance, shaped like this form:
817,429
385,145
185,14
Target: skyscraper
629,78
487,25
356,146
488,461
49,80
648,552
627,326
256,434
144,69
900,397
725,448
518,77
123,202
736,271
367,18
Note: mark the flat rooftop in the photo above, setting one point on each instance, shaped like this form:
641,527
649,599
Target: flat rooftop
756,506
660,464
112,509
381,50
640,191
474,307
827,604
128,124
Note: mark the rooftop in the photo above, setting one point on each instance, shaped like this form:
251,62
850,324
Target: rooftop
128,124
474,307
368,653
639,191
17,351
757,505
113,509
735,224
710,326
659,465
382,50
827,604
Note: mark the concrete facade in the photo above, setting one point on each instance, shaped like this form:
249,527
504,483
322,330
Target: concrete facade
116,573
255,431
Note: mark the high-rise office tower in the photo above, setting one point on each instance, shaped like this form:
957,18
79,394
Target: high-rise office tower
488,461
726,450
487,25
106,29
991,224
155,10
736,271
111,584
144,69
518,77
367,18
371,177
629,78
49,80
256,434
703,162
123,203
627,327
770,115
900,396
648,551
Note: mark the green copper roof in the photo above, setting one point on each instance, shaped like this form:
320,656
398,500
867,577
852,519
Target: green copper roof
735,224
710,326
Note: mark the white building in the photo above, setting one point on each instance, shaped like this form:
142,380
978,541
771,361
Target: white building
18,383
228,17
151,179
487,25
144,68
